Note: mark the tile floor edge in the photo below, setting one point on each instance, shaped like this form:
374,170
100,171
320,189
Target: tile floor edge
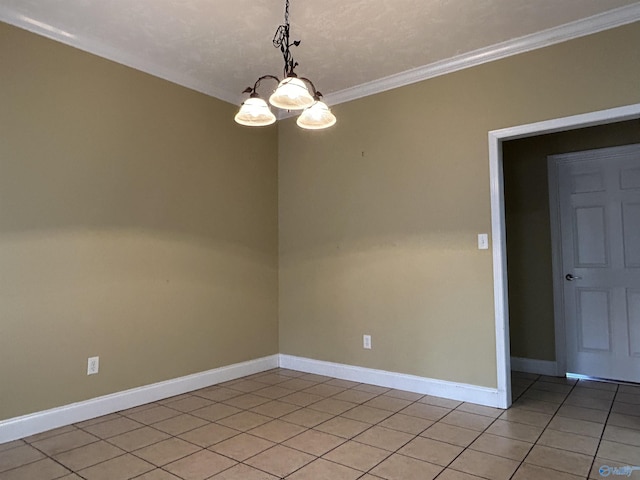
427,386
30,424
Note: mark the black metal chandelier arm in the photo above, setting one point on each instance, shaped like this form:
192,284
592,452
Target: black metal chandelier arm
252,90
316,94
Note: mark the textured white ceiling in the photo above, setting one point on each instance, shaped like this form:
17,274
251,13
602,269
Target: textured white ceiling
221,46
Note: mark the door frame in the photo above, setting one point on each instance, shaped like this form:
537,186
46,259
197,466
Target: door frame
556,265
498,225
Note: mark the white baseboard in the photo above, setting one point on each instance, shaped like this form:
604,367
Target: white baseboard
531,365
412,383
19,427
23,426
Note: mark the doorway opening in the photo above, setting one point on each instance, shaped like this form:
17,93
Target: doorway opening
501,143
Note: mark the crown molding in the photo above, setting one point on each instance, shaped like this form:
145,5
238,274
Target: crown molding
580,28
587,26
116,55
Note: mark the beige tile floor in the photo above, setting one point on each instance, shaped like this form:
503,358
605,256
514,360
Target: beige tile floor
287,424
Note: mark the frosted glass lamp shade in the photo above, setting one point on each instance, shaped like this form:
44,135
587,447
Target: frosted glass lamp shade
316,117
291,94
255,112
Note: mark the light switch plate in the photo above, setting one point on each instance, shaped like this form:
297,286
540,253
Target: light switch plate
483,241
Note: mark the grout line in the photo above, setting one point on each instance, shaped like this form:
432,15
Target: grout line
530,387
557,448
595,455
318,382
350,439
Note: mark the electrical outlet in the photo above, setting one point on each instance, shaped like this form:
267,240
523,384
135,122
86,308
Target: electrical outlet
93,365
366,342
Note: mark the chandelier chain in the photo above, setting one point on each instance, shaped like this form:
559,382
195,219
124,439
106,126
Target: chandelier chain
281,41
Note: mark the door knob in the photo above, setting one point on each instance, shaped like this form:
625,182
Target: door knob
571,278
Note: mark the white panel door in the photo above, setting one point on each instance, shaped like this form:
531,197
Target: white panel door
599,212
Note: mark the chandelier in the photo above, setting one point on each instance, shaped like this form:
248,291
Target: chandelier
292,93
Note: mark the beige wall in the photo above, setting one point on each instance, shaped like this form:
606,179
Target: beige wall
531,319
378,217
138,222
